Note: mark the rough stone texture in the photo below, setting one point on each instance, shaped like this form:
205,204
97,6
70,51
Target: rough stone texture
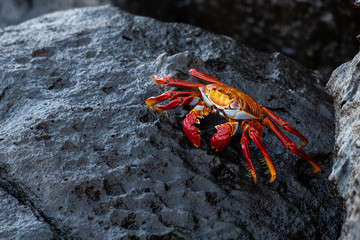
344,87
16,11
320,34
81,149
17,221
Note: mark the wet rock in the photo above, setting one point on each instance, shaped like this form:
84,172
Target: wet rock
319,34
79,145
344,87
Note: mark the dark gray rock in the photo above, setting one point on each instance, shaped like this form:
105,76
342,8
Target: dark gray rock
319,34
17,11
344,87
80,148
18,221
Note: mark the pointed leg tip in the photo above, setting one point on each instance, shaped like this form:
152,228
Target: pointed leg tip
316,170
156,80
272,179
151,105
303,144
254,176
315,165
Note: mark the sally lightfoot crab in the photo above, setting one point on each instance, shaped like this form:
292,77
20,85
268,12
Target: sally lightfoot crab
238,108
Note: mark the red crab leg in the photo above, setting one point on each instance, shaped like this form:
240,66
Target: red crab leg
173,82
290,146
169,95
285,125
204,76
191,100
245,142
191,131
253,129
222,137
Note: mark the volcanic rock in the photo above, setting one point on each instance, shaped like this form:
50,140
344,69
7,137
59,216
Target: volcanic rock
83,152
344,87
14,12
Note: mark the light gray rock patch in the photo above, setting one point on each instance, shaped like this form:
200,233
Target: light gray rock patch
344,87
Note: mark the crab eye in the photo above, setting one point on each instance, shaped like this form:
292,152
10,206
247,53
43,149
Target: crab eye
202,89
234,104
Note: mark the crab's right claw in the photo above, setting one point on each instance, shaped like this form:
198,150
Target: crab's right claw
220,141
191,131
222,137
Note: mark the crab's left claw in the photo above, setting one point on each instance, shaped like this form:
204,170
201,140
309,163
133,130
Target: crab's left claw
222,137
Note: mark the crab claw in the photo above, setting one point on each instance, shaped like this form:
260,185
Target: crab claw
222,137
191,131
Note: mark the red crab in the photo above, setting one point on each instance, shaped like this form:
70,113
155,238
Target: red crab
237,107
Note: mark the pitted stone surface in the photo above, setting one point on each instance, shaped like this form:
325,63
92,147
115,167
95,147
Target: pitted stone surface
82,150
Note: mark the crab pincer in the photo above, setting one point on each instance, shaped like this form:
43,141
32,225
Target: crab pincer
222,137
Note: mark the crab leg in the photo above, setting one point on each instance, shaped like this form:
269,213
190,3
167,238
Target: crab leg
222,137
173,82
290,146
191,131
204,76
245,142
285,125
181,98
191,100
253,128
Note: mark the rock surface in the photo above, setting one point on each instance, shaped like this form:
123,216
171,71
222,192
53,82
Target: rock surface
16,11
81,149
18,221
344,87
319,34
